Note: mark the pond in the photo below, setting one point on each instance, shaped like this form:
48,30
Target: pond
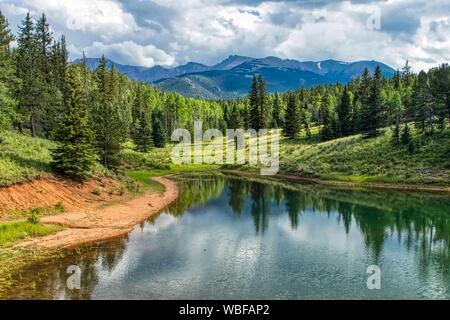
229,237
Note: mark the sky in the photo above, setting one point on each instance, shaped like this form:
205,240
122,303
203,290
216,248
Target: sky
173,32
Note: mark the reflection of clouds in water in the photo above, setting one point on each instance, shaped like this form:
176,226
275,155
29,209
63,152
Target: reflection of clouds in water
319,229
164,221
136,250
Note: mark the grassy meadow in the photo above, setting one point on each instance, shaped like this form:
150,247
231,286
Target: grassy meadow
355,159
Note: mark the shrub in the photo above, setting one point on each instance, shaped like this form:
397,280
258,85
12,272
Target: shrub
34,216
97,191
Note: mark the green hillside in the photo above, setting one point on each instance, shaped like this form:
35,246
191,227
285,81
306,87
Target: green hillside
358,159
23,157
353,158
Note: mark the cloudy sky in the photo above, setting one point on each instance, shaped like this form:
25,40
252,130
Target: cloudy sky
171,32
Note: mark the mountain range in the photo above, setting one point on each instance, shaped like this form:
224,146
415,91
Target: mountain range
232,77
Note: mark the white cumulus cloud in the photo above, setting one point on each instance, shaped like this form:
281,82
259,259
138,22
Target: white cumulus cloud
129,52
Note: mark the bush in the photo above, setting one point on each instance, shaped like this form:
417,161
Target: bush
34,216
97,191
59,207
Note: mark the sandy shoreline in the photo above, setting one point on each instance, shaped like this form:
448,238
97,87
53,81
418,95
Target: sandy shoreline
93,225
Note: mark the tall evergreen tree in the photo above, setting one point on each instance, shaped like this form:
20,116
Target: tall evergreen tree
423,104
396,134
277,119
158,134
74,156
439,79
405,137
27,71
263,104
259,106
291,120
50,97
253,98
106,120
372,109
7,76
142,125
344,111
328,130
44,40
236,121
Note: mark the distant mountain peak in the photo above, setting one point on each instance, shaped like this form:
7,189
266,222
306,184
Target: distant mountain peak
232,77
231,62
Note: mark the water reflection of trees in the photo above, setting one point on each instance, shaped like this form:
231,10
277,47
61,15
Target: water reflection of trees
196,191
416,219
90,259
421,222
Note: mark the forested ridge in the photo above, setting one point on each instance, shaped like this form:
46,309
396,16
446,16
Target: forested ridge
92,114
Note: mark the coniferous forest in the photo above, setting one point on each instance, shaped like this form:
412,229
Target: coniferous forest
92,113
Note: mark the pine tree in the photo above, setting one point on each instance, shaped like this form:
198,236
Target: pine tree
344,115
7,77
372,109
109,132
50,97
259,106
364,89
6,37
291,121
74,156
263,103
109,129
405,135
423,104
397,80
236,120
277,120
143,136
85,74
407,76
142,125
44,40
439,79
59,59
27,71
395,139
253,97
158,134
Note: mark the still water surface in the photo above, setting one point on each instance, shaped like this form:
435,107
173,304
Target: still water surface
232,238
